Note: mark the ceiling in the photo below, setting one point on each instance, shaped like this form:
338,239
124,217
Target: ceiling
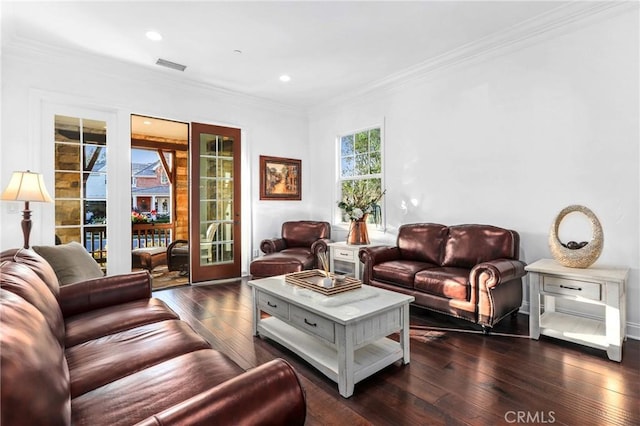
158,127
328,49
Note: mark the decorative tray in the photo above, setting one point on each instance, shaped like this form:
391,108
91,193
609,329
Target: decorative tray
312,280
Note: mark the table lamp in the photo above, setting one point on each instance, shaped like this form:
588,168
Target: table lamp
26,186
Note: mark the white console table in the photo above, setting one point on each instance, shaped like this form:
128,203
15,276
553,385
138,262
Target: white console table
603,286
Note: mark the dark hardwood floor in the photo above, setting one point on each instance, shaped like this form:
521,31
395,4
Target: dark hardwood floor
457,376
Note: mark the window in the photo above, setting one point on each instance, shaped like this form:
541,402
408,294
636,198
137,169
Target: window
361,168
81,183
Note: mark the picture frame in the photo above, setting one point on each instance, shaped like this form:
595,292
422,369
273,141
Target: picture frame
280,178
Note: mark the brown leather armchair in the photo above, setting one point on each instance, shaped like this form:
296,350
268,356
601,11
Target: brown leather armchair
296,250
466,271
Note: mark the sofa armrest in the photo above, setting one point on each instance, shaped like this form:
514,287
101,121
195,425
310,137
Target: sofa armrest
497,271
272,245
497,287
373,255
268,394
98,293
320,246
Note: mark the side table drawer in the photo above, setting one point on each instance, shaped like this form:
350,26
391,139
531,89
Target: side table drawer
576,288
313,324
343,254
273,305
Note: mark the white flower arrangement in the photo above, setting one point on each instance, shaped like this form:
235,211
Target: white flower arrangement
360,199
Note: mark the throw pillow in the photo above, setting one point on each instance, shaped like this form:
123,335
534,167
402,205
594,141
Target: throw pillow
71,262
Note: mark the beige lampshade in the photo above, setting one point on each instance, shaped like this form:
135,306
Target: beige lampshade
26,186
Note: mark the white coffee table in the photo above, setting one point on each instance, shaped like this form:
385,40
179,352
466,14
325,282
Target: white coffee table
343,336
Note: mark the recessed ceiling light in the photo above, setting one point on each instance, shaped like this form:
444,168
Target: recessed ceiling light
285,78
154,35
147,122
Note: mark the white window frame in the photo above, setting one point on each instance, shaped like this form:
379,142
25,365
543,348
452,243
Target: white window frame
338,222
45,106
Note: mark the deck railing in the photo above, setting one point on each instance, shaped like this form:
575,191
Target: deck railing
95,241
151,235
142,235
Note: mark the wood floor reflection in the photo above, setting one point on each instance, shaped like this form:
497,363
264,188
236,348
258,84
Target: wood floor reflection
457,375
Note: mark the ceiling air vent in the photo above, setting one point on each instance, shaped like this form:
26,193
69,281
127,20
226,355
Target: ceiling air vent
169,64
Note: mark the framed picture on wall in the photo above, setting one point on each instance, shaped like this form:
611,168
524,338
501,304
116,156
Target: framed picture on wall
280,178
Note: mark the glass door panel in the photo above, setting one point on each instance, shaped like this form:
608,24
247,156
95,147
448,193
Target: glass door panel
81,183
215,203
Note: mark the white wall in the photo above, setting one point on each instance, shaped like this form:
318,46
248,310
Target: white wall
33,79
511,139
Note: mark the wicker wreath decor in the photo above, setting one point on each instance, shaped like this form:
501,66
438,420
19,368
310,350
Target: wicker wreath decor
572,254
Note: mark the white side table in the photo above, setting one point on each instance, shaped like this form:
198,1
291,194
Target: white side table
604,286
343,258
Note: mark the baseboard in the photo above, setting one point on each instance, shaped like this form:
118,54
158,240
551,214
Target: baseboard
633,329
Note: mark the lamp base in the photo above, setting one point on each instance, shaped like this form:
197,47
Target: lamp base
26,224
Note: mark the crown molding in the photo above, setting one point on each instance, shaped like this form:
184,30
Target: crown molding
560,20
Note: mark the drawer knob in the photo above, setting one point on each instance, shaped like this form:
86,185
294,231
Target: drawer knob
312,324
571,288
273,306
342,253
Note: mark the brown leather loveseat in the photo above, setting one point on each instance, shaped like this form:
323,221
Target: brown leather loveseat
104,352
295,250
466,271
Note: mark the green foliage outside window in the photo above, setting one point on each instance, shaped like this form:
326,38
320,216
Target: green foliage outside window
361,175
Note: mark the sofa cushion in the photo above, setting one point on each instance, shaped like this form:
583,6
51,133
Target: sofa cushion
34,373
113,319
277,264
71,262
137,396
20,279
301,254
304,233
452,283
100,361
469,245
399,272
37,263
422,242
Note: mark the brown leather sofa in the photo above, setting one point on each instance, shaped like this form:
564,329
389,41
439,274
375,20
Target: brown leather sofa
466,271
296,250
104,352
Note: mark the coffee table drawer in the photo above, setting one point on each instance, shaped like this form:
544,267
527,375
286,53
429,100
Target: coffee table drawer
273,305
312,323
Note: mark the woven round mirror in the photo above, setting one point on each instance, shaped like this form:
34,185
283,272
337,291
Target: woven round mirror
572,254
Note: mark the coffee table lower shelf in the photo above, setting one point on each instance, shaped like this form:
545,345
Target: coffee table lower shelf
367,359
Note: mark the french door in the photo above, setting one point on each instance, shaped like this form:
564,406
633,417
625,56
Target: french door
214,236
